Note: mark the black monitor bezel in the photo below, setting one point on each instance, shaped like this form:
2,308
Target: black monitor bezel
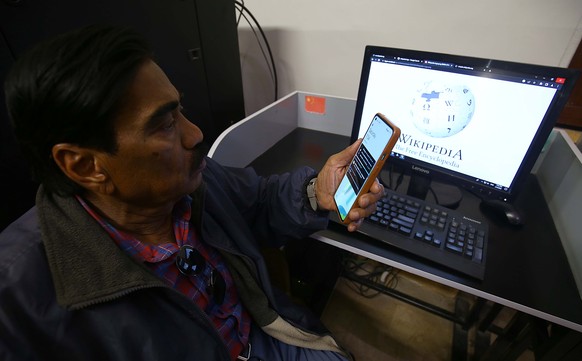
443,175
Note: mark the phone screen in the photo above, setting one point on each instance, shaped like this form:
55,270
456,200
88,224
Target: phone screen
367,155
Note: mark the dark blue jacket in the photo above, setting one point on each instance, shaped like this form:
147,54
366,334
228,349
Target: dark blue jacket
67,292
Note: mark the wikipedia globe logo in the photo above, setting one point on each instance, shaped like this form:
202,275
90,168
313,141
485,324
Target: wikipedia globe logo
442,110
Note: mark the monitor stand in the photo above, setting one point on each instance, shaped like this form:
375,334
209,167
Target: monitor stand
442,194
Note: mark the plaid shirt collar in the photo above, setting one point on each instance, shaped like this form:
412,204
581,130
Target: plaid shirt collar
147,252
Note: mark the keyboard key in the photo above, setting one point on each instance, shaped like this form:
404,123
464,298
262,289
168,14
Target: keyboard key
404,230
402,222
406,219
454,248
479,254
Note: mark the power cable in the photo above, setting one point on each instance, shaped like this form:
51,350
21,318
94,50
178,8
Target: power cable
270,62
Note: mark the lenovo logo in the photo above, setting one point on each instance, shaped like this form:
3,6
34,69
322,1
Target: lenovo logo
471,220
422,170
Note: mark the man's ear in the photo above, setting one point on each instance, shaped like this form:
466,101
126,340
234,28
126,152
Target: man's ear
80,165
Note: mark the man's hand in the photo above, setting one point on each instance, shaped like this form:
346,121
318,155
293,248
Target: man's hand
329,178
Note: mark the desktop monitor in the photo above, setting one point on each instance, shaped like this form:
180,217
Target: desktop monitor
475,123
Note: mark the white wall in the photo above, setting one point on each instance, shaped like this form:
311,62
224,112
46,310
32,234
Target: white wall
318,45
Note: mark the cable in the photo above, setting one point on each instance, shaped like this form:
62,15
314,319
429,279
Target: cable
243,8
272,67
436,199
390,179
399,181
381,275
260,46
381,178
240,14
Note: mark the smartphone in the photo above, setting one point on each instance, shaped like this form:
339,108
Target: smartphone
380,138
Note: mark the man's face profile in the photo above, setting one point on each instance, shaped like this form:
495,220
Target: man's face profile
156,161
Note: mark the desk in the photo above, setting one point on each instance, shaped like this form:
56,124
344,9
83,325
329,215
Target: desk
527,268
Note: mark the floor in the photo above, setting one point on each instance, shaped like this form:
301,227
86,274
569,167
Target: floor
374,326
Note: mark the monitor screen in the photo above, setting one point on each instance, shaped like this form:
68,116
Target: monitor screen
476,123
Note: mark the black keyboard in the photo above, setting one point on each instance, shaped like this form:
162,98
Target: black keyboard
436,233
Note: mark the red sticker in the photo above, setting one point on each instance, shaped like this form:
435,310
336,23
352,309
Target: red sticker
314,104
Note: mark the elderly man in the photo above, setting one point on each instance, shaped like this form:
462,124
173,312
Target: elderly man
139,246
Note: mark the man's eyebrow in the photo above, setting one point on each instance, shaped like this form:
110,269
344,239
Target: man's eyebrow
165,109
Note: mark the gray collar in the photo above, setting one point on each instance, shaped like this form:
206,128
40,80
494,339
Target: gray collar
86,265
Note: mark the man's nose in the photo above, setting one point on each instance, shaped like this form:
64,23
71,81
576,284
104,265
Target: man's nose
191,134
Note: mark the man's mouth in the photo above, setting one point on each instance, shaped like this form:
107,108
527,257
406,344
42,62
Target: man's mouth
199,153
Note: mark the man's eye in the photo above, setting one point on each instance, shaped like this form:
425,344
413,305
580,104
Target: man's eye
170,124
173,118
